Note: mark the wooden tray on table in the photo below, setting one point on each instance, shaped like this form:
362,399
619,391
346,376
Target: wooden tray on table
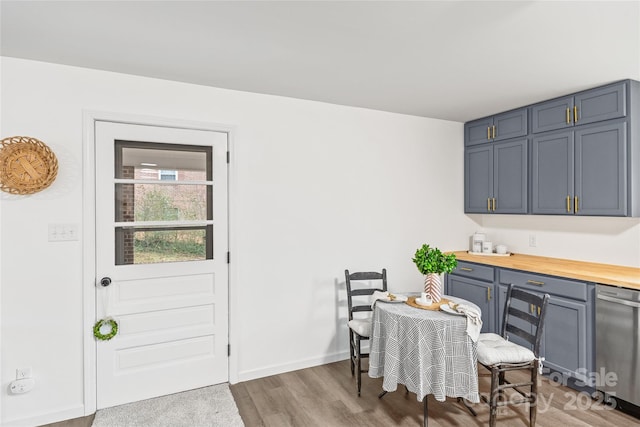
435,306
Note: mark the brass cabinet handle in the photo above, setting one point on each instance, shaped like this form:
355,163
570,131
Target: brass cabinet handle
535,282
568,116
488,294
489,204
494,132
488,132
531,308
466,269
494,204
575,204
575,114
568,204
538,311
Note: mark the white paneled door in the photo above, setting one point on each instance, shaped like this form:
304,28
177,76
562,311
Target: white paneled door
161,252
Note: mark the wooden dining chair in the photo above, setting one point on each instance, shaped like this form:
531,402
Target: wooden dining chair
500,355
360,326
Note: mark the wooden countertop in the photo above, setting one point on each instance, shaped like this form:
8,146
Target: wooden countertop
627,277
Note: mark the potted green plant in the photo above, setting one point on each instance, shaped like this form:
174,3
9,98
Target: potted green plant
432,263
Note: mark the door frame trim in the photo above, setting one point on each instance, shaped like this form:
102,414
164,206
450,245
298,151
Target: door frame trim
89,118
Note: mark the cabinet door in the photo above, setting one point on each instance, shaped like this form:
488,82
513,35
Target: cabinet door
564,335
510,176
552,173
510,125
604,103
551,115
601,170
478,179
478,131
479,293
564,339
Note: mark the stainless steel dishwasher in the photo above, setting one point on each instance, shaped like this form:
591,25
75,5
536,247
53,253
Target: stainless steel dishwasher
618,344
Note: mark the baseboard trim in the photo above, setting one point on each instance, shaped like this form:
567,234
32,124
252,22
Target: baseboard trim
292,366
47,418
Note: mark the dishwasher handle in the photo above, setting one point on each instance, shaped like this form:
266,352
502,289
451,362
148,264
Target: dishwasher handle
619,301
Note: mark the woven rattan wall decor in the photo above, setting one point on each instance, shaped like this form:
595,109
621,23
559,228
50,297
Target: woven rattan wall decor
27,165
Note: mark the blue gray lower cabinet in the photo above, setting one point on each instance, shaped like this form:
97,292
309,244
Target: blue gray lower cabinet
478,292
475,283
568,343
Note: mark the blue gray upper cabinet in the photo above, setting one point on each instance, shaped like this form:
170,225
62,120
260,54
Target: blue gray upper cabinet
552,176
583,156
552,115
478,179
496,178
478,131
595,105
601,170
511,124
510,172
581,172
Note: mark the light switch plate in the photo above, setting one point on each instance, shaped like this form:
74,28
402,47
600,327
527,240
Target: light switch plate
63,232
23,373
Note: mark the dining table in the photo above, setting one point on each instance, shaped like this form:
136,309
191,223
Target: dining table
429,351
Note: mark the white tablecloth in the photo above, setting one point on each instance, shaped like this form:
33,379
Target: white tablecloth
426,350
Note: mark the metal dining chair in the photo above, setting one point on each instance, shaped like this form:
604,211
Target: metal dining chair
500,355
360,326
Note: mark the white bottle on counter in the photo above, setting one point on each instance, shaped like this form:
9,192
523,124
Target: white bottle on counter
478,242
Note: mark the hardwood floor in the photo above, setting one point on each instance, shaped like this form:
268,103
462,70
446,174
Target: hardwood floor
76,422
326,396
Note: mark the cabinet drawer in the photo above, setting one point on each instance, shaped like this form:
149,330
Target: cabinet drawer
474,271
546,284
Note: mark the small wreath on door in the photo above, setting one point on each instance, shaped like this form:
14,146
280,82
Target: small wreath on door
113,331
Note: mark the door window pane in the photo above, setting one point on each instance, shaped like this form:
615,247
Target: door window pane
153,161
166,183
154,245
155,202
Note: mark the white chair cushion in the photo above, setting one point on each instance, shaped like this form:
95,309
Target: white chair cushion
493,349
361,327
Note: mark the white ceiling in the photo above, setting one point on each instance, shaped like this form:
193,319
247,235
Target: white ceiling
454,60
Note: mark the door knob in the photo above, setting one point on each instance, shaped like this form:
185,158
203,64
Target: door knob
105,281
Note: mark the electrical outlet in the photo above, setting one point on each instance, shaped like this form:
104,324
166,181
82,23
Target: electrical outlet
24,385
23,373
533,241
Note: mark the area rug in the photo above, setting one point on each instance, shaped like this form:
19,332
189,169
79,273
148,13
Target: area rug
204,407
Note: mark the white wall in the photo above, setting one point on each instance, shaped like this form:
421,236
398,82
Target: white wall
594,239
319,188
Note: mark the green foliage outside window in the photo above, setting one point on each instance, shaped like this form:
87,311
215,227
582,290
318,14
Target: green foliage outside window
171,244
